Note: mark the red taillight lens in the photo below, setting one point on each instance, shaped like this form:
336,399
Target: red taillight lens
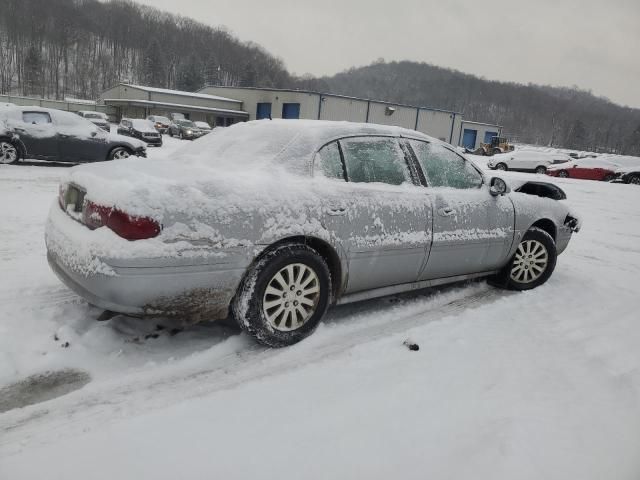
132,228
123,224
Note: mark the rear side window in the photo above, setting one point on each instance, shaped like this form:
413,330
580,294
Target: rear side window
329,161
36,118
375,159
444,168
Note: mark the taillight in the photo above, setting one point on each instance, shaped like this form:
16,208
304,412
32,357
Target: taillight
127,226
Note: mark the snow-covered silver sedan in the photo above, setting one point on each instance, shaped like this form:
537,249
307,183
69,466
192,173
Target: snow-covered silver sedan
272,222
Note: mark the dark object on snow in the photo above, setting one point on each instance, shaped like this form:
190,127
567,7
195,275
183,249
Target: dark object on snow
414,347
65,345
106,315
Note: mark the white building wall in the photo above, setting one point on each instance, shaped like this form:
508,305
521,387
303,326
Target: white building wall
401,117
480,128
251,97
436,123
338,108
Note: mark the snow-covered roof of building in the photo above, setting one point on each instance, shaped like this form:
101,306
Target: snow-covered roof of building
132,101
180,92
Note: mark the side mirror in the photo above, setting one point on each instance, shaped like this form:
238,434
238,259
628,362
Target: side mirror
498,186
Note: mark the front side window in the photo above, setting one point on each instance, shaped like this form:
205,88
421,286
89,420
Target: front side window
375,159
329,162
36,118
444,168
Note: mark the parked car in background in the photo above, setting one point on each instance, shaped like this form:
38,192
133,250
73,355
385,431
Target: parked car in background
526,161
55,135
628,175
159,122
204,127
184,129
173,116
141,129
99,119
273,222
585,169
9,145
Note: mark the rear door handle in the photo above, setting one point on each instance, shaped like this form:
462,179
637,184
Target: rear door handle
446,211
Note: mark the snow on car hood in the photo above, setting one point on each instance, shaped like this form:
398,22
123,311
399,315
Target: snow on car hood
134,142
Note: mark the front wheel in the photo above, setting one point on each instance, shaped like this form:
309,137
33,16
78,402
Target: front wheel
541,170
563,174
532,264
283,296
119,153
634,179
8,153
501,166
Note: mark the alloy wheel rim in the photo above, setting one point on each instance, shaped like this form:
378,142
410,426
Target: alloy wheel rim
635,180
500,167
530,262
8,153
291,297
563,174
120,154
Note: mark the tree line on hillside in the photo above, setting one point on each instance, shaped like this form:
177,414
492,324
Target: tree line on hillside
543,115
79,48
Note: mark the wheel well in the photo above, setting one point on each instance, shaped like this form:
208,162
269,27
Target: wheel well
546,225
326,251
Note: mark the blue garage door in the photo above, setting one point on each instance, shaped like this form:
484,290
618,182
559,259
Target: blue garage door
489,135
290,110
469,138
263,111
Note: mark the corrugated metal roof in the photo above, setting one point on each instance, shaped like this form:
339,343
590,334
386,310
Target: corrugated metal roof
134,102
180,92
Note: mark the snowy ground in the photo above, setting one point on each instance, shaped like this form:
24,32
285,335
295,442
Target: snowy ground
543,384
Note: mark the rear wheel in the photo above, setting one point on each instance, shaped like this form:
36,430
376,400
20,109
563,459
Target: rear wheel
8,152
634,179
608,177
501,166
532,264
541,169
180,136
284,296
497,151
563,174
170,132
119,153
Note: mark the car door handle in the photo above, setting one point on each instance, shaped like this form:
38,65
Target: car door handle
337,211
446,211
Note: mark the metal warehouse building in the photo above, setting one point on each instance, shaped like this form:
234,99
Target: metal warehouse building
136,101
279,103
223,106
474,133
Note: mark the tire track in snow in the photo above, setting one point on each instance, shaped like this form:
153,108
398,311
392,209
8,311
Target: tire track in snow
142,391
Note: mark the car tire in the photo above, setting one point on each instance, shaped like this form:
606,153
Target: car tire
541,170
497,151
608,177
532,264
119,153
502,166
563,174
634,179
180,136
262,307
9,153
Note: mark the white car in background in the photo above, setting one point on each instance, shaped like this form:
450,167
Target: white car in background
527,161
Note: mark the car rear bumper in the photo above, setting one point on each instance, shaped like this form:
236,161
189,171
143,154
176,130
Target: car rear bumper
197,288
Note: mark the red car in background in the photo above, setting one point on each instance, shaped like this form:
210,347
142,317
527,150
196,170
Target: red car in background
585,169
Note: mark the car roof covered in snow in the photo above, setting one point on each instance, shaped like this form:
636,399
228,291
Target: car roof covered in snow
288,143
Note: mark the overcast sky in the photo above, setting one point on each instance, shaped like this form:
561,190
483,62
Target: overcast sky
594,44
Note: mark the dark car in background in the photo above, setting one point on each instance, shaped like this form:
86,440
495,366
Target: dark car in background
626,175
184,129
145,130
161,123
9,150
54,135
99,119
